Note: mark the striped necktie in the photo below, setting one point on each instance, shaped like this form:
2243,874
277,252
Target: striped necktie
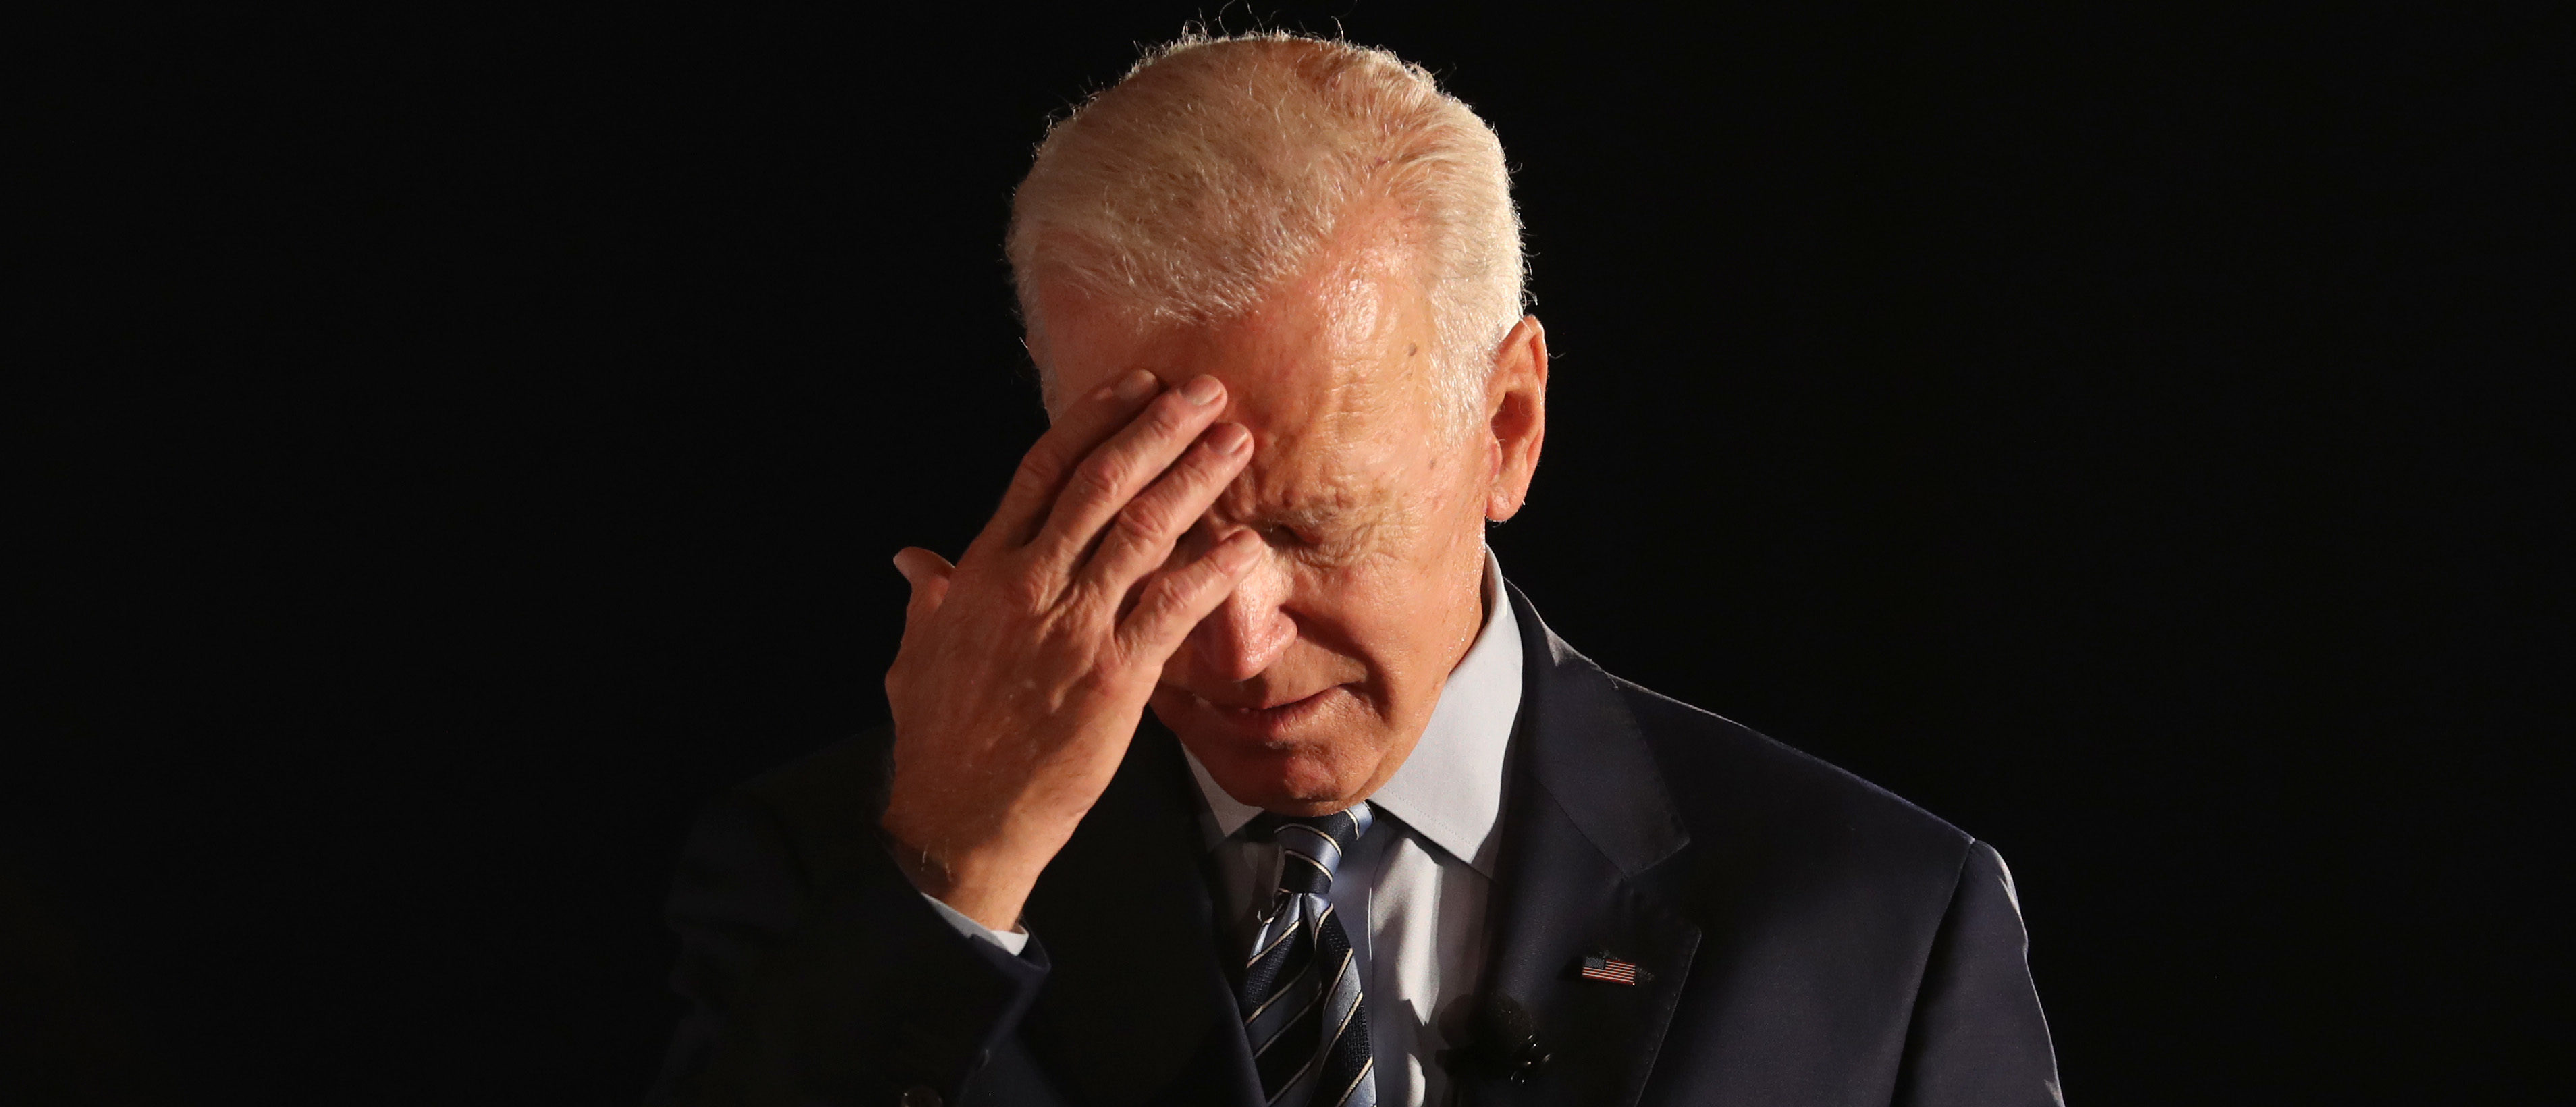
1301,995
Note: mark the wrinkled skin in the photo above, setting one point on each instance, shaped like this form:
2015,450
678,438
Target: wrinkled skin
1296,608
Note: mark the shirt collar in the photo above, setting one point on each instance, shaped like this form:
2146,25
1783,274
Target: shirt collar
1450,789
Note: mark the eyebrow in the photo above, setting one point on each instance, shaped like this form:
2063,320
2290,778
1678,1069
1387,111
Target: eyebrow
1344,515
1328,506
1334,505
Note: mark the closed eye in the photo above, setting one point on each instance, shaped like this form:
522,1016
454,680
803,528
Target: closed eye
1283,536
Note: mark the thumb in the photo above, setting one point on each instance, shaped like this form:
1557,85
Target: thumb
927,572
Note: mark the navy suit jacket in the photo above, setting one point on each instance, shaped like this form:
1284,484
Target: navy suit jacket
1809,939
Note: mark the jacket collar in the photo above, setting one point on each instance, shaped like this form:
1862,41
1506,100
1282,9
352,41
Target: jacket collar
1588,821
1586,752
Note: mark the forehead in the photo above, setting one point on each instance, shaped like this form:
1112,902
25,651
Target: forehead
1332,374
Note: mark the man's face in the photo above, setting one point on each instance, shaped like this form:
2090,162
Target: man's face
1308,687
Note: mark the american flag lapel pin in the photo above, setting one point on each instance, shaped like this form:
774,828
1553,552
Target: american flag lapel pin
1611,970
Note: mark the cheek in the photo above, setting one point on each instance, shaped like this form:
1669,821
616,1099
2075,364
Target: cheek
1447,535
1450,505
1390,613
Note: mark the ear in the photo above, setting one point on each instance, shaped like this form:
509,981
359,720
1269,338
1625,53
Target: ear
1516,416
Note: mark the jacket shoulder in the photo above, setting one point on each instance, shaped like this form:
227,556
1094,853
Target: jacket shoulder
1826,893
1757,800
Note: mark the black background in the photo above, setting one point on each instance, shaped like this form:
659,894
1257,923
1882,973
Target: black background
475,440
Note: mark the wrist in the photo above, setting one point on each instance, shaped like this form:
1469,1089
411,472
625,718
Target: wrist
986,884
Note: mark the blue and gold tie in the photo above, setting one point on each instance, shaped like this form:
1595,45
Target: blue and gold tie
1301,995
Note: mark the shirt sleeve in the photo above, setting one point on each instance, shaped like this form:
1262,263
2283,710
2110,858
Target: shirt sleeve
1012,942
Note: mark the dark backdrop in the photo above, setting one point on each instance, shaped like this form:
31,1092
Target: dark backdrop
474,441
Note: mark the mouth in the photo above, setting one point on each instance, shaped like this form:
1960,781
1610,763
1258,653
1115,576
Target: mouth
1271,722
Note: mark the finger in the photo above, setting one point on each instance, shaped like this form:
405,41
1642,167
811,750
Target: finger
1177,600
1122,466
1043,470
928,574
1141,535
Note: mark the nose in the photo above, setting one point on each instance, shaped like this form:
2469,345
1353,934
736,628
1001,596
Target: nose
1248,631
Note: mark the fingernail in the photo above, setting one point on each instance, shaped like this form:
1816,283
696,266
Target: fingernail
1229,438
1203,391
1136,386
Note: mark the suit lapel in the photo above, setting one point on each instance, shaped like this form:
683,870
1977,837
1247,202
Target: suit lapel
1587,818
1137,1008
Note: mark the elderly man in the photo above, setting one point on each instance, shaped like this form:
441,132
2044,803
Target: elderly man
1381,838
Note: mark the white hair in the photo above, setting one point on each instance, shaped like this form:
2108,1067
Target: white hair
1219,168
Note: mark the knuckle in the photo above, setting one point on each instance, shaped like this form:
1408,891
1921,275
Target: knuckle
1147,517
1200,465
1188,582
1097,478
1171,595
1169,416
1040,465
1153,609
1023,592
1032,477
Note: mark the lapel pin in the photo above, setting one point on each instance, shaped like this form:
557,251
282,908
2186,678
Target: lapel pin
1612,970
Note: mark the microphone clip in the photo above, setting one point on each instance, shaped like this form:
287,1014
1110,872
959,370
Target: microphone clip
1502,1043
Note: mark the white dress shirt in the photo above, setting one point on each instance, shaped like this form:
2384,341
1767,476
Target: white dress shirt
1422,875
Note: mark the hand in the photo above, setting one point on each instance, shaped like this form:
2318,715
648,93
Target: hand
1026,666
